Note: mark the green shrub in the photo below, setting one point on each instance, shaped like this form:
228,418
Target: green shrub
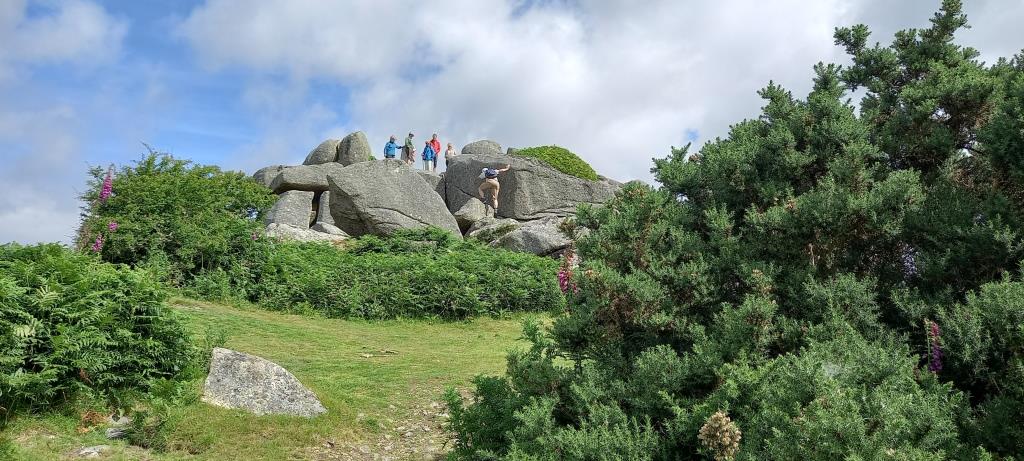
171,214
561,159
423,273
70,324
826,282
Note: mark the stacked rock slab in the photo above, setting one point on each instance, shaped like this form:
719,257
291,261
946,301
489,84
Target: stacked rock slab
266,175
311,178
326,152
540,237
354,148
383,196
530,190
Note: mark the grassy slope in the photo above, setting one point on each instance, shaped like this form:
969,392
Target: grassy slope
366,398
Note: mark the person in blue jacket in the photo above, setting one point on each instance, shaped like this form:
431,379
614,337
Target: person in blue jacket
391,148
428,157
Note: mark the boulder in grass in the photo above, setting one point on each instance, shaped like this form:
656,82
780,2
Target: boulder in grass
484,146
354,148
326,152
312,178
384,196
330,229
292,208
489,229
247,382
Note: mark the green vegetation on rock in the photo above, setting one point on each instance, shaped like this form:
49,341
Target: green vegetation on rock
560,159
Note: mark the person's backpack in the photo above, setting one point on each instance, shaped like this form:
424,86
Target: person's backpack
488,173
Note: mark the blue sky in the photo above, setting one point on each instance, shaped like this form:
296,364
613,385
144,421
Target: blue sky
249,83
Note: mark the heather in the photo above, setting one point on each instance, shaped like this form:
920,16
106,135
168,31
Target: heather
829,281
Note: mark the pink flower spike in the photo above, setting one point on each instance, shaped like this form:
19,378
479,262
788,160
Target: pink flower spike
98,245
112,227
108,185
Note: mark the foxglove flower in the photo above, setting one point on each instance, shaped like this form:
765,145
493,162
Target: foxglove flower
98,244
112,227
108,185
934,346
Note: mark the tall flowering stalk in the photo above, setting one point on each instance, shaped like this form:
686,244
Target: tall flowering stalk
112,227
565,281
108,185
934,346
98,244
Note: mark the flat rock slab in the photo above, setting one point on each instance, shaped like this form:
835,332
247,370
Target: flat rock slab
318,233
312,178
246,382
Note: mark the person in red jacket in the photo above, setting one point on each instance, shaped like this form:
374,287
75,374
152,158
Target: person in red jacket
437,150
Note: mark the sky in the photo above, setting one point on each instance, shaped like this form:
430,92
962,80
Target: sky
249,83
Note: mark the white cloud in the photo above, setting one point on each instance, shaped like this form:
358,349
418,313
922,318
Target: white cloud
41,134
614,81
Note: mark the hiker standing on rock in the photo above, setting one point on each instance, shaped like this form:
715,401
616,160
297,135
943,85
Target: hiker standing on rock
449,154
409,150
390,148
490,177
437,150
429,155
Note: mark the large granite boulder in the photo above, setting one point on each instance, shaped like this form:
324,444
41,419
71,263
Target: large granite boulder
354,148
326,152
292,208
266,175
383,196
434,180
530,190
469,213
257,385
318,233
304,177
540,237
485,146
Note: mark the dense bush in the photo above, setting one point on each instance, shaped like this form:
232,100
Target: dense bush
561,159
171,215
824,283
425,273
70,324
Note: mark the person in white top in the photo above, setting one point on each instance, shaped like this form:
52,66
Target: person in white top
449,154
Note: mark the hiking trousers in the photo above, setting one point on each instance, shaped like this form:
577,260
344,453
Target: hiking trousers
490,185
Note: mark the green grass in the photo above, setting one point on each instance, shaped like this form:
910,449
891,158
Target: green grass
561,159
366,398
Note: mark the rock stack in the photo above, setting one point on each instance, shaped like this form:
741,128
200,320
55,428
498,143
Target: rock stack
341,191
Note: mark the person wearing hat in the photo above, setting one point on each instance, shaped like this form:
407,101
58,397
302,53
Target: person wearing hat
391,148
429,155
409,150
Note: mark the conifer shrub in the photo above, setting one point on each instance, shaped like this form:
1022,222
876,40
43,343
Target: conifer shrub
73,326
826,282
561,159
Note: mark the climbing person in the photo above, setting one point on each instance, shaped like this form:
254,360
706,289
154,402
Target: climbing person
390,148
437,150
449,154
409,150
490,177
428,156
